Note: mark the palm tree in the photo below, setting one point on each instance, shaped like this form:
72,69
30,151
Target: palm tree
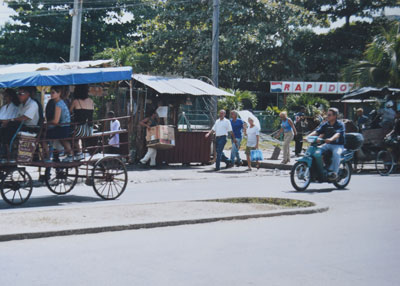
381,64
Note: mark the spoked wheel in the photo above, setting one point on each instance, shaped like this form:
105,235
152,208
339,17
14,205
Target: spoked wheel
344,176
300,176
16,187
384,163
61,181
109,177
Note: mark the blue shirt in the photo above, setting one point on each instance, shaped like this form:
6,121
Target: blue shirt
65,116
330,130
286,126
237,127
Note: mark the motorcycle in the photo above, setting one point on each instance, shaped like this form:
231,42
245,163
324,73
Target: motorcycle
313,166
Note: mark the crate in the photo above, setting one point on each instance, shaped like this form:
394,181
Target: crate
26,148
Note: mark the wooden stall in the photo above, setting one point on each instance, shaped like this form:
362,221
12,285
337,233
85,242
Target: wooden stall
190,124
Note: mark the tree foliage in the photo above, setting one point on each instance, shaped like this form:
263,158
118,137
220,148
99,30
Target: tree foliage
381,63
243,99
255,39
338,9
309,102
41,30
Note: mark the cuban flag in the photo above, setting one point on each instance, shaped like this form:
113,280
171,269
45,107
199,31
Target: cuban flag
276,86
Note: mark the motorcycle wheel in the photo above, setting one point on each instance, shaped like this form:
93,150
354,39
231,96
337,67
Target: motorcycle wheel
300,176
344,176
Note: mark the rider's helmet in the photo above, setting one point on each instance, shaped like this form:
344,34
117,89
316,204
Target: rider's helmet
389,104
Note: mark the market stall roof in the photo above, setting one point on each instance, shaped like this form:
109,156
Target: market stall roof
51,66
368,92
65,77
183,86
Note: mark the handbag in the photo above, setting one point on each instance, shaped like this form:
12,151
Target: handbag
256,155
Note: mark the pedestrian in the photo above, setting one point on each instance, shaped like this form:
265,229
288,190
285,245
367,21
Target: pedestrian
289,131
237,127
151,154
115,125
300,125
222,128
253,138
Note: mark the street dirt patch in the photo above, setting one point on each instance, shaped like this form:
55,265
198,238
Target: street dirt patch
94,219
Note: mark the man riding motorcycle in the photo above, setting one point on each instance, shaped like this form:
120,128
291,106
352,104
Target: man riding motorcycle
332,131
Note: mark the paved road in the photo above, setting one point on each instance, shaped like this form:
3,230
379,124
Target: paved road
355,243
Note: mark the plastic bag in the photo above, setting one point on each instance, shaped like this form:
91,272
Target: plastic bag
256,155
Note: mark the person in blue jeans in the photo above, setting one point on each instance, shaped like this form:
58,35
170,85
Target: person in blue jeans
222,128
237,127
332,131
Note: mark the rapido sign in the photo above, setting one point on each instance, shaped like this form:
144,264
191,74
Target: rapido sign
310,87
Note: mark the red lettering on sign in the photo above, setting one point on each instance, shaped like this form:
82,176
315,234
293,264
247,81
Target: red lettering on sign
332,87
287,87
320,87
309,86
298,87
343,87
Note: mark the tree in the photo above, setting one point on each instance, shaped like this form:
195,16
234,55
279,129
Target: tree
338,9
255,39
309,102
325,55
381,64
41,31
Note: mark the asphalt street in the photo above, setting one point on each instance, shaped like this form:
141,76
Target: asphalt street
355,243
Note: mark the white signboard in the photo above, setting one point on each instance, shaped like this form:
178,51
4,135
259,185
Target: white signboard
311,87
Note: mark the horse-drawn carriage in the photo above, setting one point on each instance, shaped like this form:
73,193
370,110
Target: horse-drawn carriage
377,150
106,173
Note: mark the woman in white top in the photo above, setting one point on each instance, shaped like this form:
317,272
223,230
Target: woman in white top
10,109
253,137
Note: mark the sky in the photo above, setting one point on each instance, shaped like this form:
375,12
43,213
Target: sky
6,12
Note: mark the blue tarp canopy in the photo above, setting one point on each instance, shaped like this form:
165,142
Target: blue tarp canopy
65,77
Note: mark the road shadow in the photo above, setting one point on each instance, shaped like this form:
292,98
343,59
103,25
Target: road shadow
325,190
50,201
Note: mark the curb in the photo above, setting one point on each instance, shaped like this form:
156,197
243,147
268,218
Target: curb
93,230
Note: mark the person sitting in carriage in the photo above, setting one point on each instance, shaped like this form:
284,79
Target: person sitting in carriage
27,119
58,123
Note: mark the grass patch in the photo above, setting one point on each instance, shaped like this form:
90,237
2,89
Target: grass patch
289,203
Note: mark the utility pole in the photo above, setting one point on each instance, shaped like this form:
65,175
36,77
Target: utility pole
215,56
215,42
74,52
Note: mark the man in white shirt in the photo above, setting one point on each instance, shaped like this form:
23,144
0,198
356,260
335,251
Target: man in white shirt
222,128
28,113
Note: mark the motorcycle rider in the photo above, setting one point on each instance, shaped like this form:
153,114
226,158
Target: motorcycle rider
332,131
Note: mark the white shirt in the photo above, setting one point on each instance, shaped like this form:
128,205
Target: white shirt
252,133
8,111
222,127
31,110
115,126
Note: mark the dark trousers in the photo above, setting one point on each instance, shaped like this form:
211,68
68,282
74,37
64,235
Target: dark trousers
221,141
298,139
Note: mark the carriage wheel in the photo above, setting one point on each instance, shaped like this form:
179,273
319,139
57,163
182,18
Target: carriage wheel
384,163
61,181
16,187
109,177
